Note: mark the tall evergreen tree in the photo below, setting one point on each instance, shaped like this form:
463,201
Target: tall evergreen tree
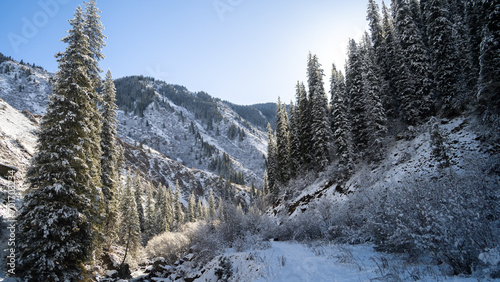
354,90
137,189
94,31
282,143
129,229
390,57
211,205
295,152
162,220
109,162
373,17
320,126
474,18
149,212
375,120
192,208
443,53
179,214
489,60
272,161
341,126
61,216
199,209
170,209
304,123
415,85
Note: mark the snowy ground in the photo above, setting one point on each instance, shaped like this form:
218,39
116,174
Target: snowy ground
287,261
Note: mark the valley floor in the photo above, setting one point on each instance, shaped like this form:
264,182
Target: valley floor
286,261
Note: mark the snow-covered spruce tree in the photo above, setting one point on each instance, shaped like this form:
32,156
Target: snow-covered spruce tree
443,54
295,153
467,80
341,126
62,214
489,61
170,209
149,213
375,119
354,90
94,31
474,19
304,123
192,208
320,125
378,37
199,209
129,228
161,207
415,85
179,214
109,165
388,61
272,162
377,33
137,188
282,143
211,205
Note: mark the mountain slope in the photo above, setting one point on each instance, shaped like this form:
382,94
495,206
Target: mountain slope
177,135
193,128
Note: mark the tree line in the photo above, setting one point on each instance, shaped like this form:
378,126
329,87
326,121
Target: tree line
420,59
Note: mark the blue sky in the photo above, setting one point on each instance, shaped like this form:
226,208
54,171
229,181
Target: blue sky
243,51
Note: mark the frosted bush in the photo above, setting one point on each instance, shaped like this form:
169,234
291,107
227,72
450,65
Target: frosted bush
170,245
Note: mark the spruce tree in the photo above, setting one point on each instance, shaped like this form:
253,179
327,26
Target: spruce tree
137,189
373,17
199,209
415,85
474,18
295,152
211,205
354,90
129,229
149,213
282,143
179,214
320,126
94,31
341,126
443,54
109,162
489,62
170,209
390,58
61,216
272,161
192,208
375,121
304,124
162,222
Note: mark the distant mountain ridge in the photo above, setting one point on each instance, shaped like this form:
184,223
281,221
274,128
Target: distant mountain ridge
195,129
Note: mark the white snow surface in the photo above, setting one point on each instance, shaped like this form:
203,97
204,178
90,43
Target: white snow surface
291,261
